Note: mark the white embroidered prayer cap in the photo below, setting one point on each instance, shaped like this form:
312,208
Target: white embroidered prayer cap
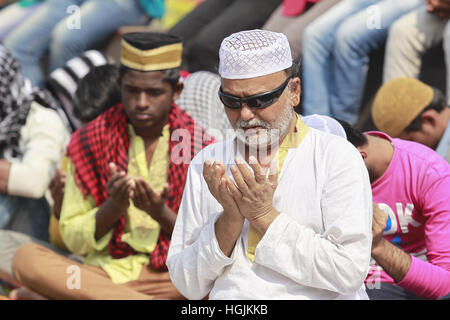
325,124
253,53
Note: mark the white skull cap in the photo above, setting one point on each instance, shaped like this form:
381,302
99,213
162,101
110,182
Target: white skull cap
325,124
253,53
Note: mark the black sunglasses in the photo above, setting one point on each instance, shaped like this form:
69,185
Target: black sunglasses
257,101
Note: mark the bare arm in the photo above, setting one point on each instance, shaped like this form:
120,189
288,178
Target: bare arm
4,175
56,187
167,220
228,229
106,217
392,259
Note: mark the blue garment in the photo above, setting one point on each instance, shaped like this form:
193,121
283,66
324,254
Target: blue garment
25,215
443,148
154,8
390,291
13,15
66,29
336,49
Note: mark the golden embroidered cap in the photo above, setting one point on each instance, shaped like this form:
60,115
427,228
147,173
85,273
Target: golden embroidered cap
398,102
151,51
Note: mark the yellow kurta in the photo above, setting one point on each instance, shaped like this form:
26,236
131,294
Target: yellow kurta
291,141
77,222
53,228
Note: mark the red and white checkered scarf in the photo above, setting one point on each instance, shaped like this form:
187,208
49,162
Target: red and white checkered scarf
105,140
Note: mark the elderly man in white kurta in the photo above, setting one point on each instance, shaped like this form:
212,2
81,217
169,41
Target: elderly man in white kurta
280,210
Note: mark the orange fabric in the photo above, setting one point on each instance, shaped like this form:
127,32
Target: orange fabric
48,273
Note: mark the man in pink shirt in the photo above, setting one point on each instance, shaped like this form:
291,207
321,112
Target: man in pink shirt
411,219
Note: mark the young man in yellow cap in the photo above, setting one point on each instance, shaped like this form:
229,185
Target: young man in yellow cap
409,109
125,178
301,233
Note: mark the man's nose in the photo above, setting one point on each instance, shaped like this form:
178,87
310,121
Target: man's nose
246,113
142,100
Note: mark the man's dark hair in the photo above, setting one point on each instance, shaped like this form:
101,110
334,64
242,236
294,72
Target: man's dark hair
354,136
294,70
172,76
438,103
96,92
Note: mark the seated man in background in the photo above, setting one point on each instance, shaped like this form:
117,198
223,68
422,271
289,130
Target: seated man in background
409,109
64,29
411,36
293,16
96,92
125,178
303,233
32,143
411,217
336,53
60,92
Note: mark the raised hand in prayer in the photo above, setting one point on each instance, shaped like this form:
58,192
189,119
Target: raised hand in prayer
394,261
253,193
145,199
216,178
379,222
57,190
120,188
229,225
154,204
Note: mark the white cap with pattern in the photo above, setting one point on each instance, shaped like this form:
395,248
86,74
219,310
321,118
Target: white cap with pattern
325,124
253,53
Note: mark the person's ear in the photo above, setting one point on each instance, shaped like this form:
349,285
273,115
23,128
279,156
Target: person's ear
177,91
294,91
363,154
430,117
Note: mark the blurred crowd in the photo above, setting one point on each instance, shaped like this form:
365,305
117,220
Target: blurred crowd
61,73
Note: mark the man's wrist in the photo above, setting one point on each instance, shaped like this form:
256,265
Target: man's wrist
158,213
227,229
378,248
232,219
394,261
263,221
120,209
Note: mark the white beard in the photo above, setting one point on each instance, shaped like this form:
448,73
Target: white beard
267,136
